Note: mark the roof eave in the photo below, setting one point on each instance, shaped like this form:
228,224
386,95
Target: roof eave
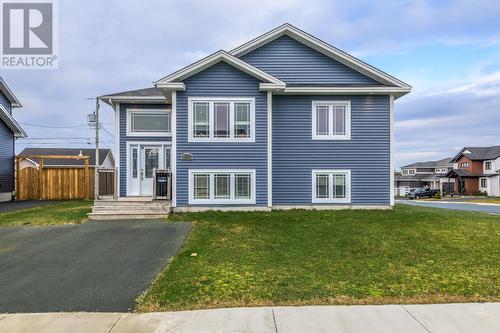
4,88
12,123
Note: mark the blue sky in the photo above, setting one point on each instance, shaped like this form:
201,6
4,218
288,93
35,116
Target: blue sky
449,51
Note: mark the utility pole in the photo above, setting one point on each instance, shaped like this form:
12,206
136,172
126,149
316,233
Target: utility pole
96,176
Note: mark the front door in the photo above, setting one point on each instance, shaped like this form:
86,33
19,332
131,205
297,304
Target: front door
150,160
143,160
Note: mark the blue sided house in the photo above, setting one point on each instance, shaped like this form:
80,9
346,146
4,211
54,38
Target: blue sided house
282,121
9,132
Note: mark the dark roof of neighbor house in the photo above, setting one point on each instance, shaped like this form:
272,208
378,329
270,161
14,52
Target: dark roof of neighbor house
479,153
103,153
146,92
445,162
465,173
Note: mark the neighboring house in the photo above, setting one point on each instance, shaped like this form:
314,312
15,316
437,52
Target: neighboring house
9,132
430,174
106,158
282,121
477,169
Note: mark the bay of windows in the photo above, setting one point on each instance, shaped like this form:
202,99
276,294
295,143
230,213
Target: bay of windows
219,119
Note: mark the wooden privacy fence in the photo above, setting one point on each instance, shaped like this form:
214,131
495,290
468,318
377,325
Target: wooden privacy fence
54,183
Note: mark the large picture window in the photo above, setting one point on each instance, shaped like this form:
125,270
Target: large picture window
221,119
331,120
331,186
213,187
149,122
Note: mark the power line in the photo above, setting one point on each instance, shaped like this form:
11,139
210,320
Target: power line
47,126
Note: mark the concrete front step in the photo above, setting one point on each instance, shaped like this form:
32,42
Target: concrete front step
133,208
118,216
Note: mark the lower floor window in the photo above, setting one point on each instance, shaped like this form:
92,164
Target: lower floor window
484,182
331,186
222,186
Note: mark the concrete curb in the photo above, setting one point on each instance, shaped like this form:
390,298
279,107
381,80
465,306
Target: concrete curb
434,318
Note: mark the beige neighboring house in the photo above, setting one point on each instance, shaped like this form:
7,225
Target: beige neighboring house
106,158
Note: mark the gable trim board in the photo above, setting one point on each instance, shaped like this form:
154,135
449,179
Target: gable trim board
12,123
211,60
321,46
4,88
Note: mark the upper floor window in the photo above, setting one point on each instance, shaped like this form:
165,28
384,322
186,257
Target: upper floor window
464,165
148,122
408,171
331,120
331,186
221,119
487,165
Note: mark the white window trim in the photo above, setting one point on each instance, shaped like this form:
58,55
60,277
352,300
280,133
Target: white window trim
147,134
331,172
347,135
211,200
231,101
481,181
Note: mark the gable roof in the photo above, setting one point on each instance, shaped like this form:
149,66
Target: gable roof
146,95
4,88
323,47
103,153
212,60
479,153
445,162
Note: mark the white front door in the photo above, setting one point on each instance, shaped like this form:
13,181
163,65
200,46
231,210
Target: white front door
143,160
150,160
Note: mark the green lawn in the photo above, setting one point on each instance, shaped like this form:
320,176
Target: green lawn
408,255
70,212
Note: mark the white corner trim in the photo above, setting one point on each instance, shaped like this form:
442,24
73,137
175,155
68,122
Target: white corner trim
319,45
173,152
212,201
331,172
212,60
269,149
130,133
391,176
346,136
231,101
117,144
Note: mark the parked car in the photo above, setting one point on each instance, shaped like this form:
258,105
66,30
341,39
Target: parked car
422,193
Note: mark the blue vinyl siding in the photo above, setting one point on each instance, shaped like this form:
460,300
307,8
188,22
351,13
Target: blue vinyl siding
222,80
296,63
367,154
6,152
124,139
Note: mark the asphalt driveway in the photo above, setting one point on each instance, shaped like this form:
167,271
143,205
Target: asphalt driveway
96,266
9,206
493,209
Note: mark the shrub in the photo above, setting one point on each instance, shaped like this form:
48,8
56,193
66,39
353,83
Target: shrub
437,195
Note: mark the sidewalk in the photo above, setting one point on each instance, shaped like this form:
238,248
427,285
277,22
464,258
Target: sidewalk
472,317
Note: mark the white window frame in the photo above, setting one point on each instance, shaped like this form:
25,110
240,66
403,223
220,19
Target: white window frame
330,173
130,112
330,135
481,182
211,125
490,164
231,200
